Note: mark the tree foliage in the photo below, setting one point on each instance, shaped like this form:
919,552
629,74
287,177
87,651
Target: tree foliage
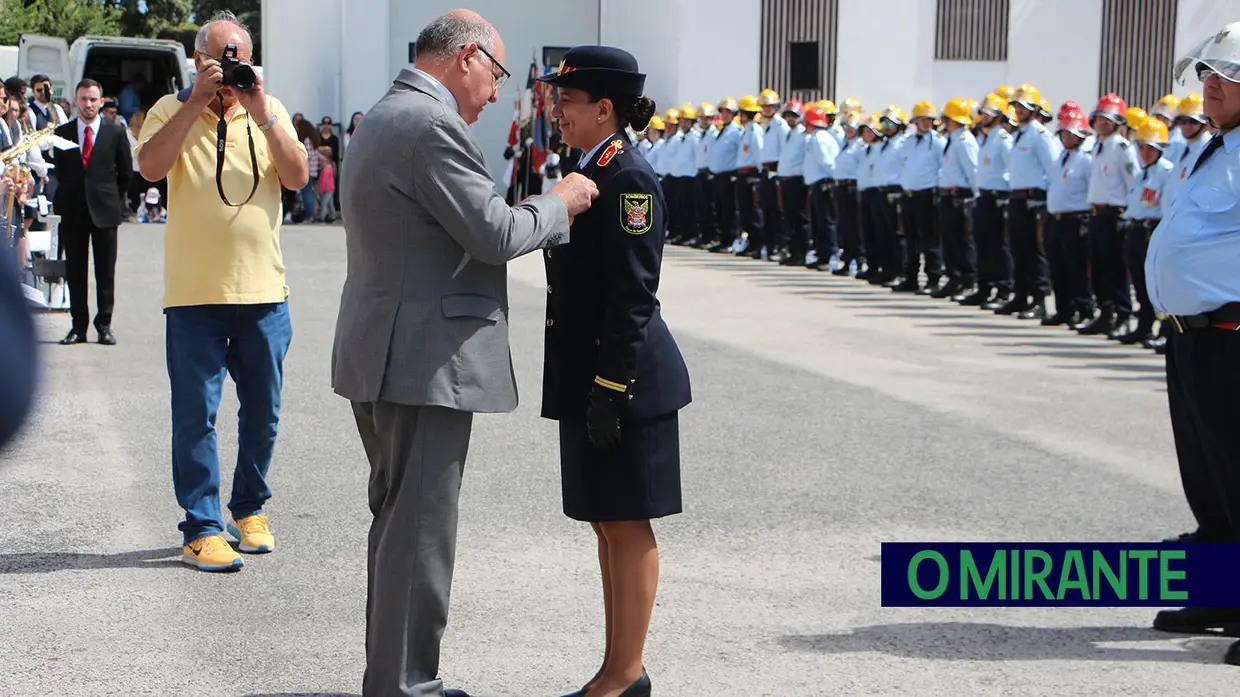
67,19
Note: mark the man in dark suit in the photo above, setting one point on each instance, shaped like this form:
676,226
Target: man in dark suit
90,200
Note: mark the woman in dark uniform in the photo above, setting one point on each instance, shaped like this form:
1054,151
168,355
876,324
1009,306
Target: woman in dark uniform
613,376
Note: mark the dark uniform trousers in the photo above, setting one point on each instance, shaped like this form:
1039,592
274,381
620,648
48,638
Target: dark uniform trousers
955,230
80,240
921,236
747,203
888,251
1033,276
1136,243
668,184
867,225
705,198
1067,252
1106,246
1203,392
794,200
849,228
823,221
725,207
689,208
772,233
995,267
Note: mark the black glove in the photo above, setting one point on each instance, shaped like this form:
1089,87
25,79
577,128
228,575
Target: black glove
603,416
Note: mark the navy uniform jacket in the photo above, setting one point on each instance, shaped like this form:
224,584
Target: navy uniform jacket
603,322
17,353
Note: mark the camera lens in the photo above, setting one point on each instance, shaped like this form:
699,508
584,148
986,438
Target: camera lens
243,77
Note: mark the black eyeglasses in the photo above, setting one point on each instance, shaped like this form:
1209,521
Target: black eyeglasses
499,79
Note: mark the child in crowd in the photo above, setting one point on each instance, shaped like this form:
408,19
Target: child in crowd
151,210
327,186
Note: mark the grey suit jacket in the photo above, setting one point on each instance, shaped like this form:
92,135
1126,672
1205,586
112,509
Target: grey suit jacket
423,315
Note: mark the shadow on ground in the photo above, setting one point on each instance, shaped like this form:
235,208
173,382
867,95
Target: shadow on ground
46,562
955,641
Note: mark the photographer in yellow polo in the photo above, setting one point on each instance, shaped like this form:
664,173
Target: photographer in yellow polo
226,149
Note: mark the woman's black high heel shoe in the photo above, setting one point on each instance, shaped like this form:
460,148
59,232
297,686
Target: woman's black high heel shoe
639,688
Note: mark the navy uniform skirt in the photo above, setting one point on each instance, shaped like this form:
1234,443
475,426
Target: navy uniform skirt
638,480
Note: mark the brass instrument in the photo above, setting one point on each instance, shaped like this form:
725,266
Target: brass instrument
19,172
8,157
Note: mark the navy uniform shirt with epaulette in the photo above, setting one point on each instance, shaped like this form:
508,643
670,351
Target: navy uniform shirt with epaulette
604,325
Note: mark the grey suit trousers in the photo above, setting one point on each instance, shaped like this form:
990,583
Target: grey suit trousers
417,458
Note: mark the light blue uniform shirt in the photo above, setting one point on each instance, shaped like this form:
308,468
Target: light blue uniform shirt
685,162
923,153
705,143
1069,187
773,139
866,158
671,151
792,153
1145,199
958,166
1191,263
848,163
995,153
1115,166
723,151
749,154
837,132
655,154
821,151
889,164
1032,161
1182,156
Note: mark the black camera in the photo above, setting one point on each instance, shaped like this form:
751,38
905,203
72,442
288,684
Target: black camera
236,73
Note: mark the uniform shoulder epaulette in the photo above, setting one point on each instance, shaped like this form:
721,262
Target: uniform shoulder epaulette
1123,143
1003,133
614,148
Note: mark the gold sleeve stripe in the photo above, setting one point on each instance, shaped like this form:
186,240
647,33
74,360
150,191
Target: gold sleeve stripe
618,387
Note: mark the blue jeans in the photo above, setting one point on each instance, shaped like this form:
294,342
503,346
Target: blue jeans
204,341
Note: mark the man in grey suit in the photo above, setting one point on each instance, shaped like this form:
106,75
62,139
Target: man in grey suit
422,336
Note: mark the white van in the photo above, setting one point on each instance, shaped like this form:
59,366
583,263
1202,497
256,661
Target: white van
109,60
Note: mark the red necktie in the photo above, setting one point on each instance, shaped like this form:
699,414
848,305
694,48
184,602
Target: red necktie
87,146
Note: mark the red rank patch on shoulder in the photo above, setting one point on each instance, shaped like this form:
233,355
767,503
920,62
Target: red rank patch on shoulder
615,148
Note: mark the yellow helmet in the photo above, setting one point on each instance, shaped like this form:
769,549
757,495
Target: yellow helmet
1027,96
1005,92
957,110
672,116
828,107
688,112
851,105
1044,106
924,108
1191,107
768,97
707,110
1166,107
1136,116
750,103
872,122
972,104
895,115
728,103
1152,132
1009,112
656,123
994,104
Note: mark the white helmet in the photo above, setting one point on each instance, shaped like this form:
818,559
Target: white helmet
1219,53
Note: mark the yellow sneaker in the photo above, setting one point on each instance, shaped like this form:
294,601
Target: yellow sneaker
211,553
253,533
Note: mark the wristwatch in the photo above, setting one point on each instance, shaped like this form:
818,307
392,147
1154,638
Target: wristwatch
267,126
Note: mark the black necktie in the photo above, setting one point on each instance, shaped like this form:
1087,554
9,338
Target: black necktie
948,146
1019,135
919,138
1215,143
1066,155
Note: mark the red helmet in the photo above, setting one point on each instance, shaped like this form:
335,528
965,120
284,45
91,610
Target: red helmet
815,116
1068,106
1073,121
794,106
1112,106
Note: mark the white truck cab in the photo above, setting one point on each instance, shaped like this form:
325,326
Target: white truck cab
112,61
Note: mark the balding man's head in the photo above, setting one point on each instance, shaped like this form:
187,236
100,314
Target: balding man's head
465,53
224,28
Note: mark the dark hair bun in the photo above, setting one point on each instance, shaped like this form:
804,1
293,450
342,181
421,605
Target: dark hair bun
638,115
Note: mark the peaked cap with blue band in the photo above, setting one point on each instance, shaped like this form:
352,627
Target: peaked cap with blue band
601,70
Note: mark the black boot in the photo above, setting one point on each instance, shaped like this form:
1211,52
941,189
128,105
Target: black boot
1001,299
1121,327
973,297
952,289
1104,323
1015,306
1036,311
1080,319
1144,332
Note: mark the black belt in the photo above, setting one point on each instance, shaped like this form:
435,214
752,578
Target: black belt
848,184
1107,210
890,190
1076,215
1145,223
997,193
956,192
770,166
1035,194
1227,314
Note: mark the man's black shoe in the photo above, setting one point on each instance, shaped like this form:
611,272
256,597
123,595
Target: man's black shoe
1200,620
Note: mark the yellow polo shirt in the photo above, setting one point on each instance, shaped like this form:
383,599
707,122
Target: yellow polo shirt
213,253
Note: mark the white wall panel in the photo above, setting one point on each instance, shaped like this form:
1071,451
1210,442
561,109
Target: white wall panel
967,79
879,47
708,72
655,46
365,69
302,54
1055,45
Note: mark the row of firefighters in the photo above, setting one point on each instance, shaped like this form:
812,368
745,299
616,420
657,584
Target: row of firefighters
998,207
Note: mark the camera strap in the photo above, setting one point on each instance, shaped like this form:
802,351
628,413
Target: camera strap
221,138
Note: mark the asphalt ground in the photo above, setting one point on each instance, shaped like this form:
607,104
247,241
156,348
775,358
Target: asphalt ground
829,416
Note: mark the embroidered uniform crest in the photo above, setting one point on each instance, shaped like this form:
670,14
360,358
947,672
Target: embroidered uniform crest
614,148
635,213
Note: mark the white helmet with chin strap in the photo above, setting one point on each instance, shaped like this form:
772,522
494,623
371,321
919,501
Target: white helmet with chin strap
1218,54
